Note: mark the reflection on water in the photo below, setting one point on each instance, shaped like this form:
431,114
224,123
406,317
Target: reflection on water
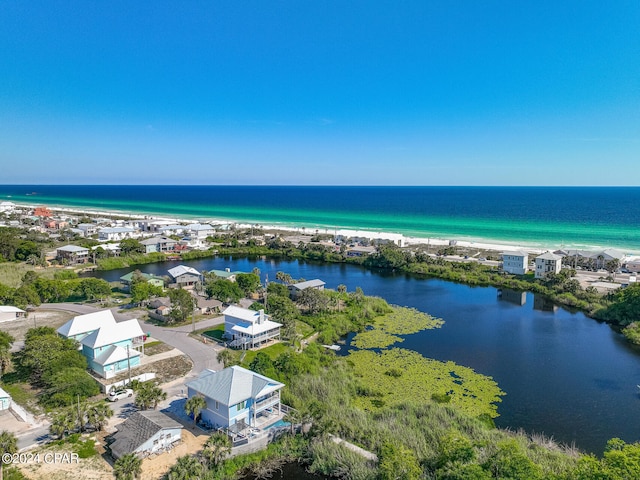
512,296
543,304
565,375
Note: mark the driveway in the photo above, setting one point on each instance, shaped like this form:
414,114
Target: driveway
202,355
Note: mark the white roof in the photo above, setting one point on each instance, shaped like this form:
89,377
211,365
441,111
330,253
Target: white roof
549,256
308,284
4,394
73,248
199,226
8,309
516,253
233,385
87,323
243,314
114,247
181,270
113,334
117,230
115,354
255,328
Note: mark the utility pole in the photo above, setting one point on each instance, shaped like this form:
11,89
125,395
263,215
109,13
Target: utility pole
129,364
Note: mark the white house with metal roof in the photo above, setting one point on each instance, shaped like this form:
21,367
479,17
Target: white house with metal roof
200,231
548,263
297,288
117,233
113,349
184,276
8,313
82,325
237,398
515,262
247,328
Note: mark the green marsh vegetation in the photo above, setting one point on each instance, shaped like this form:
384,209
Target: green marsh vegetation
436,417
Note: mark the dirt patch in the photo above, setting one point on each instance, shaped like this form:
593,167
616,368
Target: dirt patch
156,347
42,318
166,370
156,466
92,468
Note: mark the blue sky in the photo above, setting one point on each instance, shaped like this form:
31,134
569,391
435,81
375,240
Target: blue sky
320,92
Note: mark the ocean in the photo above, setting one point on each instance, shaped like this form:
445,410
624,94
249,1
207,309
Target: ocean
570,217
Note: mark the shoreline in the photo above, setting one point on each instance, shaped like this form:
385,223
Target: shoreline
405,240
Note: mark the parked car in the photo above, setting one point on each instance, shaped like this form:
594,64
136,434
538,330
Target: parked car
116,395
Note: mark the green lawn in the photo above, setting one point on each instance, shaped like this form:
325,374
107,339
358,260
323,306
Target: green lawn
274,351
215,332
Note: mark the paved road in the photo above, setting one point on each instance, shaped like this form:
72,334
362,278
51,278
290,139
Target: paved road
202,355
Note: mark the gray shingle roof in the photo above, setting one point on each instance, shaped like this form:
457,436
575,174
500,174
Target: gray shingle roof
139,428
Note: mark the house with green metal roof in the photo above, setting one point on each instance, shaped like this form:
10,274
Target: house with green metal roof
149,277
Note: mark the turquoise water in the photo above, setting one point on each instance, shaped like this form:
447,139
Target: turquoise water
278,424
579,217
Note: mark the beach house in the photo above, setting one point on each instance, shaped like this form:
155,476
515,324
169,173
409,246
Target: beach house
8,313
297,288
82,325
247,329
548,263
237,398
147,277
113,349
144,433
515,262
158,244
72,254
182,276
117,233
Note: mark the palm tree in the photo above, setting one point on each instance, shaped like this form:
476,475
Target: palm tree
97,415
225,357
186,468
195,405
149,395
62,423
127,467
216,448
8,444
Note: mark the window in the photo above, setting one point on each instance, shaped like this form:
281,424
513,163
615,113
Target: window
217,406
241,405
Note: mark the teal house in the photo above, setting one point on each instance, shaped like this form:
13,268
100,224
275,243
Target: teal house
5,400
114,349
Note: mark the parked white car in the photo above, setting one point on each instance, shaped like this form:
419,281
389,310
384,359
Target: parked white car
116,395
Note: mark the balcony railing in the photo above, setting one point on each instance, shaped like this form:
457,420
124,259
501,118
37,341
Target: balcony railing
273,400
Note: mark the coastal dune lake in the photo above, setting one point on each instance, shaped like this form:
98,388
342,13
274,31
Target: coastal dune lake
564,374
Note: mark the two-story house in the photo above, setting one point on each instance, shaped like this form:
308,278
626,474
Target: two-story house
72,254
158,244
113,349
515,262
247,328
82,325
184,276
548,263
237,398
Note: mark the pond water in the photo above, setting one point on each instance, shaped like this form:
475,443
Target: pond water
565,375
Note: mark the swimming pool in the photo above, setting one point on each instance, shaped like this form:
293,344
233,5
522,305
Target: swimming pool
280,423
